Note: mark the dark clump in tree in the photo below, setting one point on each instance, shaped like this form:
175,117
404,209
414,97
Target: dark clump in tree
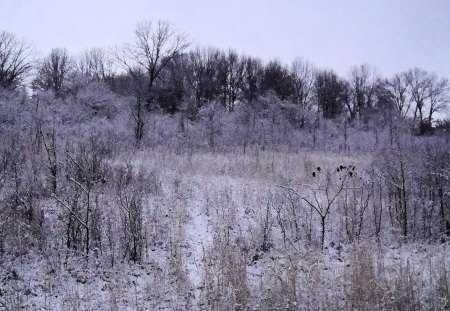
331,93
276,77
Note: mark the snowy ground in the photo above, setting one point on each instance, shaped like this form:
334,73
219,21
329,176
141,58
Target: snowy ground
209,201
199,239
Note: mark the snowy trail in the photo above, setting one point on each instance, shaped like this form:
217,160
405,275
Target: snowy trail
199,238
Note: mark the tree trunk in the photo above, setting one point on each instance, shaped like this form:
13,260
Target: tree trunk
322,222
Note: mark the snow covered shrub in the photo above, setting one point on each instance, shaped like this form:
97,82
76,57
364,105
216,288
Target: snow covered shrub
132,189
86,171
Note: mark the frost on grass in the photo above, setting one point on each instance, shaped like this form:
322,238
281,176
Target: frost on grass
215,238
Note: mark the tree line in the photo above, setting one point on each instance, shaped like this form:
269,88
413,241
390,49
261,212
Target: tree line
159,71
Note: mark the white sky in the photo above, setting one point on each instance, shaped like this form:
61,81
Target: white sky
391,35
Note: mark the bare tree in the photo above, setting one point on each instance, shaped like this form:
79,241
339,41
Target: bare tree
54,72
361,82
439,97
130,194
427,91
231,75
15,59
397,93
95,65
86,172
252,78
155,46
324,192
419,82
398,169
433,176
203,76
331,93
277,78
212,115
355,204
50,144
303,75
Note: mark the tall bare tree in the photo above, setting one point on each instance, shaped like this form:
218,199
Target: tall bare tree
419,82
303,75
439,96
362,85
396,90
231,75
203,75
15,59
156,44
55,72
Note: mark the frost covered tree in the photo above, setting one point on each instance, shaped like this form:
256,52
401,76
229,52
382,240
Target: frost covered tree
323,191
86,171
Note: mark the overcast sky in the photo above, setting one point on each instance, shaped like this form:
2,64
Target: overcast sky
391,35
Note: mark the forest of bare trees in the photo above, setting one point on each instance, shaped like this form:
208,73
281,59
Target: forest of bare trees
169,176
